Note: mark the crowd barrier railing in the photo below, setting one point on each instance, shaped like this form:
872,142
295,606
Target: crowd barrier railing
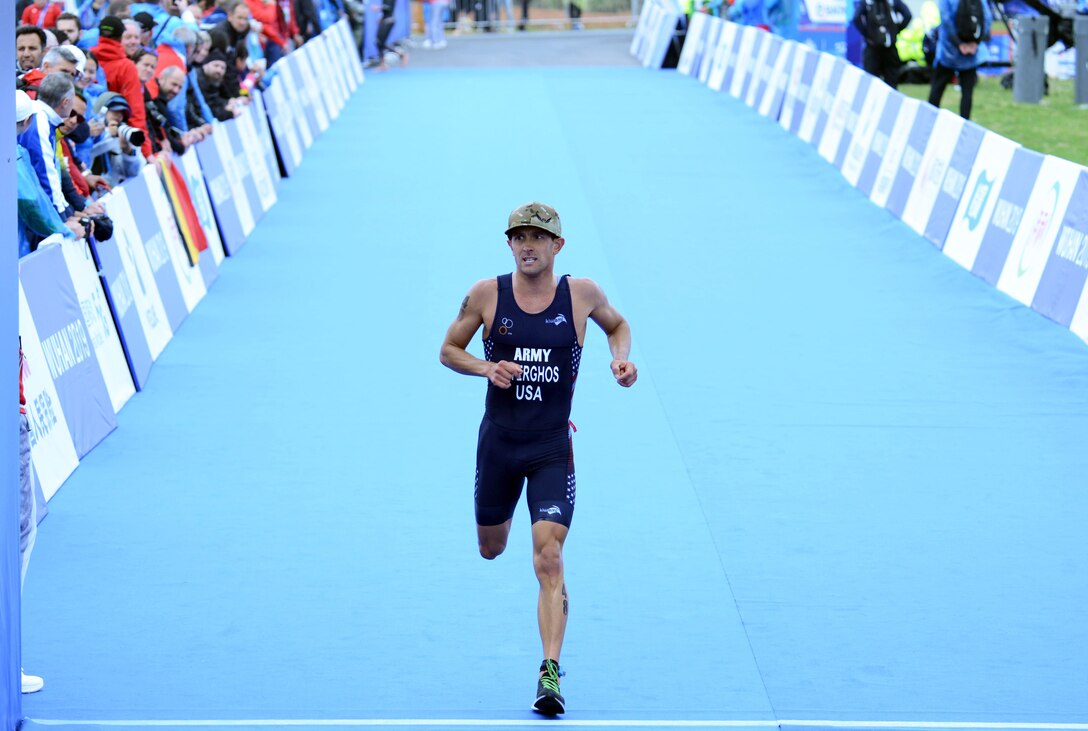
94,316
1011,216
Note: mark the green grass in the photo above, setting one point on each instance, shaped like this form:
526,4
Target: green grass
1056,126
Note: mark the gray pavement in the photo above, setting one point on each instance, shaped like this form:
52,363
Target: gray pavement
529,49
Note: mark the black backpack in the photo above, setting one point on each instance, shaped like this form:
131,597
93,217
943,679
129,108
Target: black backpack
880,28
969,20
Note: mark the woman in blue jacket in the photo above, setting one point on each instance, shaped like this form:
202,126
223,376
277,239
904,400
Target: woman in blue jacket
959,54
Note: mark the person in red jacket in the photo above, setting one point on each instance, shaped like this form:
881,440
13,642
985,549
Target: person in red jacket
275,30
121,74
37,13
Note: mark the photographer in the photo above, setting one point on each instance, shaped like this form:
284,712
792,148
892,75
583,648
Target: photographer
116,156
170,81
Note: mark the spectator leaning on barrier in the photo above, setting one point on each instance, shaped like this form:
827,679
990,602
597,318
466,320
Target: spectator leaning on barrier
166,135
961,49
116,156
37,216
210,80
121,74
880,22
56,96
29,47
197,111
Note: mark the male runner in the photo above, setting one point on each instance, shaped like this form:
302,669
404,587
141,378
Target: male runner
534,327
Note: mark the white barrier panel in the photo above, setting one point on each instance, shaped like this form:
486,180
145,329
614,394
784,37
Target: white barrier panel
727,39
99,320
1008,213
638,41
892,155
247,176
190,280
656,27
771,104
827,102
980,194
51,448
317,100
281,117
814,103
885,127
853,115
139,280
293,97
351,55
257,163
742,65
263,128
802,71
872,111
694,44
846,94
911,164
761,78
1038,230
333,90
1064,283
936,164
706,58
65,345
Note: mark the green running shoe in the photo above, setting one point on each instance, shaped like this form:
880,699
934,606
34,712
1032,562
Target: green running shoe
548,701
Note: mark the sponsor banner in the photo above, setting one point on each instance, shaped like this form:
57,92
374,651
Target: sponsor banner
98,318
299,73
65,347
338,55
931,173
305,56
742,64
727,40
827,100
264,136
1062,286
771,105
132,288
853,116
1038,231
351,54
911,162
663,18
846,94
333,89
885,126
281,119
295,100
892,156
804,90
189,278
247,177
954,183
822,25
765,67
52,451
189,165
152,239
1007,214
225,187
710,45
639,39
988,170
694,44
794,80
814,104
872,111
250,143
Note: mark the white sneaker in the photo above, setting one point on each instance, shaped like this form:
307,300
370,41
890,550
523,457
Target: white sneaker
32,683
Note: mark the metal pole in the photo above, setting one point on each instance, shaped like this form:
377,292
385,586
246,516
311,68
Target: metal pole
1029,75
1080,33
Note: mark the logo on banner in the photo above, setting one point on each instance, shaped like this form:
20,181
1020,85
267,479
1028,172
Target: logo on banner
66,348
1030,256
1073,247
979,196
96,315
42,417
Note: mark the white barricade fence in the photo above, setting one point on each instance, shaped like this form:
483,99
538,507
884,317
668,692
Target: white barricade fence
95,315
694,45
719,63
706,58
656,26
910,165
872,111
841,105
817,90
771,104
742,60
769,49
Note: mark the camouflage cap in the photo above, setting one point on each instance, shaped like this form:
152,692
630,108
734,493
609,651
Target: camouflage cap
535,214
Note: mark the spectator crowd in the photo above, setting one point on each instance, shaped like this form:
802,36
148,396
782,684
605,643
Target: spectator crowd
102,86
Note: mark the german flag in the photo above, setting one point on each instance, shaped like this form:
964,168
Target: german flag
184,211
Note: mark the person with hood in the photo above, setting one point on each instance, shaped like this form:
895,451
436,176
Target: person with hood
210,76
121,74
960,54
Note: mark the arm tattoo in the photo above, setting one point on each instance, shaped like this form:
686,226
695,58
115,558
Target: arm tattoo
564,600
464,306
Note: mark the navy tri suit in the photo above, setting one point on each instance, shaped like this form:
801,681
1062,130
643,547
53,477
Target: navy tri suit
526,432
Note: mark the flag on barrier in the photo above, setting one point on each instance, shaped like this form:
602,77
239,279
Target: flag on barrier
188,223
189,279
189,165
66,349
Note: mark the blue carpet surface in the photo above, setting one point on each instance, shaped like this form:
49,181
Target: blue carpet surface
849,484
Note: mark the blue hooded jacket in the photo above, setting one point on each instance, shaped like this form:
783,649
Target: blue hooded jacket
948,49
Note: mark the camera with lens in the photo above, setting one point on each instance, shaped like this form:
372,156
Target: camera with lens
133,135
103,225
